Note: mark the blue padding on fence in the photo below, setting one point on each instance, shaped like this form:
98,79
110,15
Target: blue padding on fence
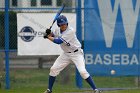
112,37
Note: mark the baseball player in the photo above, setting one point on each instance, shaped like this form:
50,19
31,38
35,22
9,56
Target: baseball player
66,37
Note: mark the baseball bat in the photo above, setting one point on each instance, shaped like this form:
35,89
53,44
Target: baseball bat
57,15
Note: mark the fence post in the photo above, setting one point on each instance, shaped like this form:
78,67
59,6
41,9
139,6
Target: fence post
79,36
7,80
137,81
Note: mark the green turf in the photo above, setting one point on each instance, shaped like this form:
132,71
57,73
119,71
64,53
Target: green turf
35,81
41,90
124,91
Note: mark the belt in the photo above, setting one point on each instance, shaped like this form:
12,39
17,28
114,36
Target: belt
73,51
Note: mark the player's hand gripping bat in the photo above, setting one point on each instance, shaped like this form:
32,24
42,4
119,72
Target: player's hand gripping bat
48,31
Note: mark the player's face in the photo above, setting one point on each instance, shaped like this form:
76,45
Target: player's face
63,27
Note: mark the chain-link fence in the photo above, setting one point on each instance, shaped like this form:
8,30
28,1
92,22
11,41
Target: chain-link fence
21,67
1,44
30,73
2,29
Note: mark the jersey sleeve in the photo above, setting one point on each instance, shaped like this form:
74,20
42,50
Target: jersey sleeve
57,41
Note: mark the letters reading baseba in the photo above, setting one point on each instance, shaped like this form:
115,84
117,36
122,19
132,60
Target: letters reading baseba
112,59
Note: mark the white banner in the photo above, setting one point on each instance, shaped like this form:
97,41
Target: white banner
30,29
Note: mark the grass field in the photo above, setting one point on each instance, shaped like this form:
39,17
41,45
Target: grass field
40,90
35,81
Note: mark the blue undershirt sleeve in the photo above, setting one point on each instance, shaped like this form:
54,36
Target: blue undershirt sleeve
57,41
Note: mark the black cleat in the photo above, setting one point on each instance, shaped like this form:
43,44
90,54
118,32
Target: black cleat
97,91
48,91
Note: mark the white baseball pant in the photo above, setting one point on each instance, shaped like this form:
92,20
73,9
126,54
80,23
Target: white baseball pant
65,59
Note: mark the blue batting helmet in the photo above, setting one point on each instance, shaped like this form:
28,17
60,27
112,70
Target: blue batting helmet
62,20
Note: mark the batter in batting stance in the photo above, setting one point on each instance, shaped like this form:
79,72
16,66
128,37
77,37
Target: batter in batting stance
66,37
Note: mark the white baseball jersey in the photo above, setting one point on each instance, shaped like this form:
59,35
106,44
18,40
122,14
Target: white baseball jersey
70,41
69,45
